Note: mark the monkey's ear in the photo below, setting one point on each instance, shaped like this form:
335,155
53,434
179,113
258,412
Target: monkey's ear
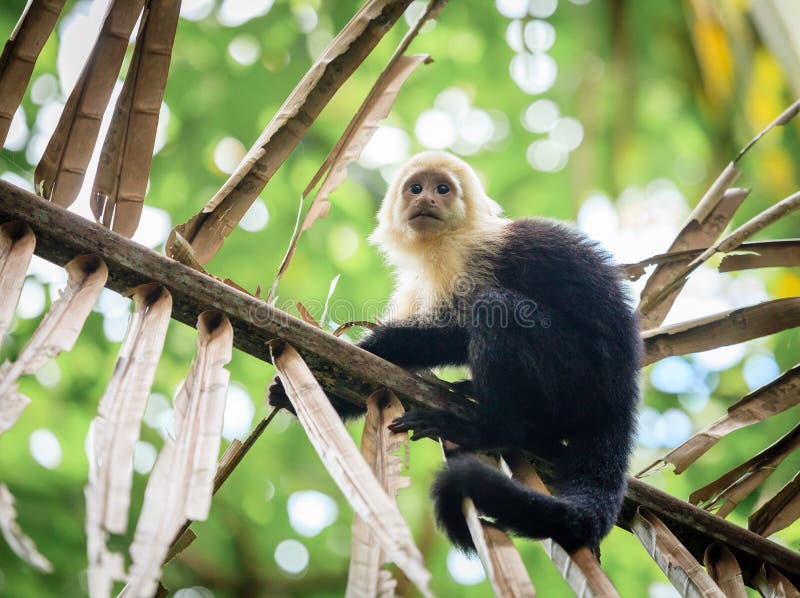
495,209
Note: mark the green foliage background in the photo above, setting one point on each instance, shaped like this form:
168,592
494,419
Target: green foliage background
628,70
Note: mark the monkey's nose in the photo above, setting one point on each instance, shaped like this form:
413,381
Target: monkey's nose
424,201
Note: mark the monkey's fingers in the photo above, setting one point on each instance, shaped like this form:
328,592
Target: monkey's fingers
420,422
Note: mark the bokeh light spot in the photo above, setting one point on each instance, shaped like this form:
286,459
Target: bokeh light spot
465,569
311,511
292,556
45,448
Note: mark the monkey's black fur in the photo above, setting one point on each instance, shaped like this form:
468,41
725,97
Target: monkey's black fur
554,350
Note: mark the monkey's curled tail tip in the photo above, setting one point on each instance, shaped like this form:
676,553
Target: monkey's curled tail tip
452,485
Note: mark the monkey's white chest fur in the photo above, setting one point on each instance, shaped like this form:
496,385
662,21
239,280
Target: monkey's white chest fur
433,277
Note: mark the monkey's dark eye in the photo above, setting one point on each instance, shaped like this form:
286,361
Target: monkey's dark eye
416,188
442,189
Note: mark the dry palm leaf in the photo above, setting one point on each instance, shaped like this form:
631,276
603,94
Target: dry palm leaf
772,398
779,512
348,325
501,560
509,575
20,544
20,54
348,149
705,224
121,180
379,447
783,253
580,569
11,406
771,583
347,467
723,568
115,431
730,489
677,563
17,242
359,131
712,213
182,252
717,330
306,315
181,484
57,332
60,173
207,230
232,456
756,224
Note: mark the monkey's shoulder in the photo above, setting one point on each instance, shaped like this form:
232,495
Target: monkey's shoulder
551,247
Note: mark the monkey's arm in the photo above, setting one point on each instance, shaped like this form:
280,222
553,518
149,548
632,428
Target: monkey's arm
409,343
414,343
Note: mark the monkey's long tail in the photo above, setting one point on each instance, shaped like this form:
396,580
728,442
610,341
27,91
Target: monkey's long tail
581,515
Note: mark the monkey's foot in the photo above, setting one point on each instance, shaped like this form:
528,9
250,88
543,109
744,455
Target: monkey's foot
437,423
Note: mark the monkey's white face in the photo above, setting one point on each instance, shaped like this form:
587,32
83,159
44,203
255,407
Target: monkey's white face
430,202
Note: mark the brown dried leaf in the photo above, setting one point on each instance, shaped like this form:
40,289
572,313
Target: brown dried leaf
756,224
121,180
181,484
20,53
375,107
717,330
781,120
115,431
232,456
207,230
784,253
500,558
348,325
713,214
581,570
771,583
775,397
723,568
677,563
182,251
730,489
764,254
57,331
705,224
347,467
19,543
379,447
12,404
17,243
59,175
306,315
779,512
360,129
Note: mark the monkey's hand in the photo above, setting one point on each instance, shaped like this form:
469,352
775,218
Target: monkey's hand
437,423
277,397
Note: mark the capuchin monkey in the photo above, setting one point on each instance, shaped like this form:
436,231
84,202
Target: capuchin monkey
540,315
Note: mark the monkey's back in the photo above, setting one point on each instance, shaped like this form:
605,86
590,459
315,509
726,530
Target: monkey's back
585,341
